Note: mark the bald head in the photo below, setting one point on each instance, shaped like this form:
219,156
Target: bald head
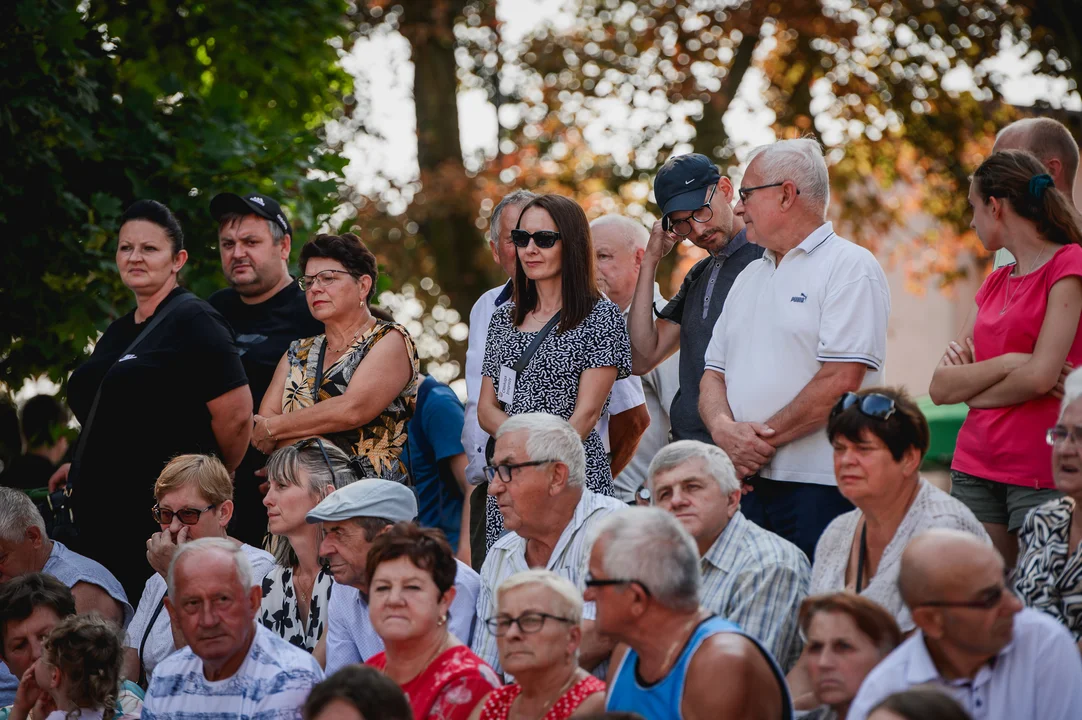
630,232
939,564
1050,141
619,244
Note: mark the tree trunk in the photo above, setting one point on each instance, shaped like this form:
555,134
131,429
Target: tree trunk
710,136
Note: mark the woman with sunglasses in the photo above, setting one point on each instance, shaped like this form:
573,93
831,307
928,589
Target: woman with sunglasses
356,384
411,585
193,499
1009,361
296,591
584,347
538,629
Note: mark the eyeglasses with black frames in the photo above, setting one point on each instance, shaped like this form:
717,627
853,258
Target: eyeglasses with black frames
745,193
682,227
591,581
528,622
506,470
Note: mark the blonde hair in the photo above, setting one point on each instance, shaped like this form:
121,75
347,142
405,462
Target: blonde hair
567,595
205,471
88,651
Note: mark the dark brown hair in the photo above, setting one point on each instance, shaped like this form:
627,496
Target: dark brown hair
578,279
871,618
906,428
20,596
427,548
349,250
1007,175
923,703
370,692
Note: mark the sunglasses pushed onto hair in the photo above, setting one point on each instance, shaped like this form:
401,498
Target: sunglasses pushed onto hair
874,405
543,239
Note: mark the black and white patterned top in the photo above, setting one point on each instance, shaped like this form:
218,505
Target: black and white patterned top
1047,578
550,383
278,611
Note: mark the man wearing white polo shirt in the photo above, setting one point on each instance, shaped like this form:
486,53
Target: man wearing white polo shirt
802,325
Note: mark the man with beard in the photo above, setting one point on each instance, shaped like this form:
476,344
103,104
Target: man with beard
267,310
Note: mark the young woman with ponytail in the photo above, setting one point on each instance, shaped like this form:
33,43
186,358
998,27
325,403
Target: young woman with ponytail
1010,360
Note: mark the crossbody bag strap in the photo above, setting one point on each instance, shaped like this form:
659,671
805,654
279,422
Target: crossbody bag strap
155,322
531,349
146,634
319,370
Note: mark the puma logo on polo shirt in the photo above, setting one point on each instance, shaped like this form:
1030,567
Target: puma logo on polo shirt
799,298
126,357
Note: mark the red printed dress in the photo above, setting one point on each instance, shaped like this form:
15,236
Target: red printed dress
450,687
498,705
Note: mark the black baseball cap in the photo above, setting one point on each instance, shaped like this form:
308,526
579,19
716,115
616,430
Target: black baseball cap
683,182
252,203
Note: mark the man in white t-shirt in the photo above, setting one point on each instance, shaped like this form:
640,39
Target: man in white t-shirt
233,666
801,326
627,417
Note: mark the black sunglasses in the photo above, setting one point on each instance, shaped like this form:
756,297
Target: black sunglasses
591,581
543,239
873,405
188,516
305,444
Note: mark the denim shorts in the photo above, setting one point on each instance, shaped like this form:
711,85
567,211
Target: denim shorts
998,503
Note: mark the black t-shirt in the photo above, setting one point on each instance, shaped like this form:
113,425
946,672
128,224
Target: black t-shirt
153,407
27,472
264,332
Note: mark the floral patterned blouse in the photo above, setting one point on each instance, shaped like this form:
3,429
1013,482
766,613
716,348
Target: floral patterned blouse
379,443
1048,576
278,611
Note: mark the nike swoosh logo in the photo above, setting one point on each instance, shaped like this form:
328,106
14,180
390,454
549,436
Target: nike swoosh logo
688,182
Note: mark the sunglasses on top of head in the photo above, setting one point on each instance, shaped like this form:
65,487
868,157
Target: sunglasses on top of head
543,239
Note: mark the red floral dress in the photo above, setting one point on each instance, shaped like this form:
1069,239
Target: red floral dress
498,705
450,687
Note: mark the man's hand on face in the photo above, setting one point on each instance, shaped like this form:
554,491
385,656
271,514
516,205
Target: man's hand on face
661,241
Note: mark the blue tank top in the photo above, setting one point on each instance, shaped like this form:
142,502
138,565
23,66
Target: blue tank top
661,700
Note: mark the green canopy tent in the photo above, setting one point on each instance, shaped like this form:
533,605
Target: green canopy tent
944,422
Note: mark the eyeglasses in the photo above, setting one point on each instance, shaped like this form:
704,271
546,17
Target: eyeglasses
309,442
874,405
745,193
682,228
989,599
591,581
543,239
188,516
322,278
1060,433
529,622
506,471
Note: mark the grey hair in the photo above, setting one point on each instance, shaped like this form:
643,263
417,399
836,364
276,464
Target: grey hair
285,465
650,546
276,231
715,462
206,545
1072,389
633,232
800,160
550,438
18,513
516,198
568,596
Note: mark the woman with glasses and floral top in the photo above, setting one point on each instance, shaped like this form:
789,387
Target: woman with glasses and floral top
355,385
538,629
583,342
1048,576
296,591
193,499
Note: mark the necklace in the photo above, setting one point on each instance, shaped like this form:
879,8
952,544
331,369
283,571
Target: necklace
428,661
1007,294
357,334
559,694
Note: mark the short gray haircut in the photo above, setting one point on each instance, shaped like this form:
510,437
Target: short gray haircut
633,232
550,438
650,546
1072,389
567,595
800,160
208,545
715,462
276,231
518,198
18,513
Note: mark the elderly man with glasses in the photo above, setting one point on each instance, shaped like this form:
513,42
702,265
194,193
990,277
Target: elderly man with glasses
695,201
802,325
538,479
975,641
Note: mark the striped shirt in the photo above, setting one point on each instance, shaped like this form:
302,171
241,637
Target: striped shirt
570,559
757,580
271,684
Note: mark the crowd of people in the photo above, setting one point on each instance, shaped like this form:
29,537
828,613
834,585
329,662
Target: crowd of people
709,506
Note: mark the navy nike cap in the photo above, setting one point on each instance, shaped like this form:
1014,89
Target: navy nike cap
683,182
